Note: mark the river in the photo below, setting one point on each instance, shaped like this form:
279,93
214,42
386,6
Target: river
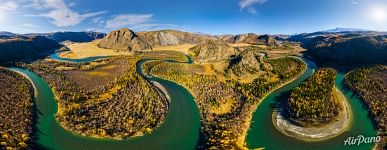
180,129
262,132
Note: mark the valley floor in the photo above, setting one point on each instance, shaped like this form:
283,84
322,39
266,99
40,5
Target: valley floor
89,49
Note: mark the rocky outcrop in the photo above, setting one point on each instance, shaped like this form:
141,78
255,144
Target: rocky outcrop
173,37
250,38
212,51
124,40
247,63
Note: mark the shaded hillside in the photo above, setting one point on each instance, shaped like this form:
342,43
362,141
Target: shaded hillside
250,38
124,40
22,48
371,84
75,36
357,50
345,47
173,37
213,51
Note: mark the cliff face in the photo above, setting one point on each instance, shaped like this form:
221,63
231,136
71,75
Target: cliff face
213,51
124,40
23,48
250,38
173,37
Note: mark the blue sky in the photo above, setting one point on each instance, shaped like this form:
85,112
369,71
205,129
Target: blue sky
205,16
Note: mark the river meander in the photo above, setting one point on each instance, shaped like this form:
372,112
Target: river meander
180,129
262,132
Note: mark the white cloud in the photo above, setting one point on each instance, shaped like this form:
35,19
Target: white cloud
355,3
247,4
8,6
61,13
128,20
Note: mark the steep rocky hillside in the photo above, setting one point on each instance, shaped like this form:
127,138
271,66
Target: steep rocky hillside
23,48
250,38
213,51
124,40
173,37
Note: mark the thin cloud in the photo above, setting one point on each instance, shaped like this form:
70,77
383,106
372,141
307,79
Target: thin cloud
96,20
61,13
248,5
28,25
128,20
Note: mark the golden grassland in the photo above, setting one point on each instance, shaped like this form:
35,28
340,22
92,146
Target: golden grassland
223,108
89,49
239,44
181,48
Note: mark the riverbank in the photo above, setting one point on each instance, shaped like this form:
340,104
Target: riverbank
29,79
162,88
253,108
327,131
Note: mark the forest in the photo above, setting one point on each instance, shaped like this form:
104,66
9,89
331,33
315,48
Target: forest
312,103
371,84
106,98
16,98
225,105
282,70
